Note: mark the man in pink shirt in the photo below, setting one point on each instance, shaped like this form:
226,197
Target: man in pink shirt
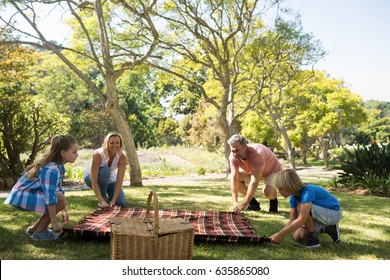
249,164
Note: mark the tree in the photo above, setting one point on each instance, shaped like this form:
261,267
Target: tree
27,122
56,83
332,108
279,60
112,37
215,37
377,126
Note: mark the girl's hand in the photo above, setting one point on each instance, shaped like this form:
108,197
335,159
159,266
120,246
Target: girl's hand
57,228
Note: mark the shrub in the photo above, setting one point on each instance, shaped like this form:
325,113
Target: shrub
201,171
368,165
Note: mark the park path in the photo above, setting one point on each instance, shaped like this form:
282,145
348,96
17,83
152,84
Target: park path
308,173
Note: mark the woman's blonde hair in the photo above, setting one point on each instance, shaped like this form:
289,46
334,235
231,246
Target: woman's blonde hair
289,180
107,139
58,144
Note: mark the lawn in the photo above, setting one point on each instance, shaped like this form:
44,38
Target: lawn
365,226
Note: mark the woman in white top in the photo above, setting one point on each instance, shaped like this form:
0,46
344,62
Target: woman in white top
107,171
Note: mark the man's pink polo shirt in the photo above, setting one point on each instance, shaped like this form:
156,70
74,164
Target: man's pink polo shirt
260,157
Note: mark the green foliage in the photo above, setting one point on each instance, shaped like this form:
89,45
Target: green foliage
143,108
58,85
27,121
368,165
377,126
201,171
334,183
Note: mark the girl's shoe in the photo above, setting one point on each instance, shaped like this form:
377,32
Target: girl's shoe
29,231
46,235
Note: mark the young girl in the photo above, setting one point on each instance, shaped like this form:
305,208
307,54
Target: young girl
102,176
39,189
313,210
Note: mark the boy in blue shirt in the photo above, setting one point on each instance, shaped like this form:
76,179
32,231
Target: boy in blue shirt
313,210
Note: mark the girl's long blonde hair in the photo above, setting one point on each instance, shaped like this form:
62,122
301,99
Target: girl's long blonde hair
106,140
289,180
58,144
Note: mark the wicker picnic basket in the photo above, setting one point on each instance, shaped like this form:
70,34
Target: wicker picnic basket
144,239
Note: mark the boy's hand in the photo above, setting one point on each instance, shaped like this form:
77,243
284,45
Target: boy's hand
277,238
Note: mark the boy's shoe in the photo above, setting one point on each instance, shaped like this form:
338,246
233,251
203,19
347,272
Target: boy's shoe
311,241
273,205
334,232
46,235
29,231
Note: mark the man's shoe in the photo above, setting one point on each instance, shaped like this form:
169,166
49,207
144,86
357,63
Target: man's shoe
334,232
254,207
273,205
46,235
311,241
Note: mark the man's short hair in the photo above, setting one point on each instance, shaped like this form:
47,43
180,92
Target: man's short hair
237,138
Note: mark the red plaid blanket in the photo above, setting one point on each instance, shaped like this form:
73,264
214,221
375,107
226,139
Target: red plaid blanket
210,226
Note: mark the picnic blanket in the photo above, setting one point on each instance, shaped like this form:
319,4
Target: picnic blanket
210,226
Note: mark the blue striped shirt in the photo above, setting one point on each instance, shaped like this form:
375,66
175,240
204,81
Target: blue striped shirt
34,195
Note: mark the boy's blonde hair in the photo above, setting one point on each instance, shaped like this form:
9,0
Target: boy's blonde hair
289,180
106,140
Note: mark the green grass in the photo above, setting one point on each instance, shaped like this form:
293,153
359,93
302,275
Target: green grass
364,227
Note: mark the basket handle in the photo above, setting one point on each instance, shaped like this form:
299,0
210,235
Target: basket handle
156,224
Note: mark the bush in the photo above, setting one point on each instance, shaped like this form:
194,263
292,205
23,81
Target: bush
201,171
367,166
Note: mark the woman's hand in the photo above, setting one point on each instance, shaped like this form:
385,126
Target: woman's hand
65,217
103,204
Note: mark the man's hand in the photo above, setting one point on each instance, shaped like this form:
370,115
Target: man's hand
239,207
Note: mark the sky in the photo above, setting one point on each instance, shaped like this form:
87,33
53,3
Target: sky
356,33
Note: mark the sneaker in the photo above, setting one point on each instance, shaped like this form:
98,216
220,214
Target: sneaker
311,241
273,205
29,231
46,235
334,232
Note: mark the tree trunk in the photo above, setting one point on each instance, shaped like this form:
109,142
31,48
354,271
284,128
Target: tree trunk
324,147
119,119
290,149
304,156
132,156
